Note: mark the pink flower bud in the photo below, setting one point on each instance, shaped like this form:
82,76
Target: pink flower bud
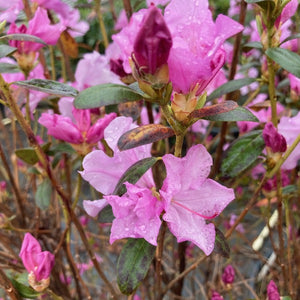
228,275
153,42
272,291
273,139
216,296
37,262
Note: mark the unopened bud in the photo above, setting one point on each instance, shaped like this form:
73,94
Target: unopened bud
272,291
216,296
153,42
228,275
273,139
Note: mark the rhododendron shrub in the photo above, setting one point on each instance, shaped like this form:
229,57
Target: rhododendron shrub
149,149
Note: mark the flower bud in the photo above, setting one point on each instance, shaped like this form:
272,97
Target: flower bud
216,296
228,275
37,262
153,43
272,291
273,139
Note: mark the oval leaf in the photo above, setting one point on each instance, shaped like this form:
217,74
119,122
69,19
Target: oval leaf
106,94
242,153
48,86
6,50
264,4
43,194
133,264
28,154
144,135
221,245
106,215
229,87
287,59
9,68
213,110
252,45
237,114
134,173
23,37
25,291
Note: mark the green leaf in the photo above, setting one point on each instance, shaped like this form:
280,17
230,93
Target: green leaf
287,59
48,86
24,291
143,135
237,114
252,45
63,148
134,173
9,68
6,50
221,245
133,264
29,155
106,215
242,153
23,37
286,298
43,194
263,3
106,94
229,87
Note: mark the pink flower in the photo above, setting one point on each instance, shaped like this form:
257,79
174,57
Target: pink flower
102,171
153,42
295,84
197,53
63,128
40,27
37,262
273,139
289,127
190,198
272,291
10,10
228,275
136,214
216,296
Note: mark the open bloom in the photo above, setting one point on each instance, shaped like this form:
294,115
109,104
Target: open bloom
38,26
197,53
103,172
137,214
190,198
37,262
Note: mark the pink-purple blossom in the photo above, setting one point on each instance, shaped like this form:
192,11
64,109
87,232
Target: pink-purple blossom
197,53
274,140
38,263
190,198
38,26
228,275
137,214
272,291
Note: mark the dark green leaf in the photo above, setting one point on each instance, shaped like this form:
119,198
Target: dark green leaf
237,114
106,94
263,3
106,215
23,37
6,50
133,264
242,153
63,148
143,135
9,68
229,87
249,46
221,245
48,86
43,194
134,173
24,291
287,59
28,154
289,189
291,37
